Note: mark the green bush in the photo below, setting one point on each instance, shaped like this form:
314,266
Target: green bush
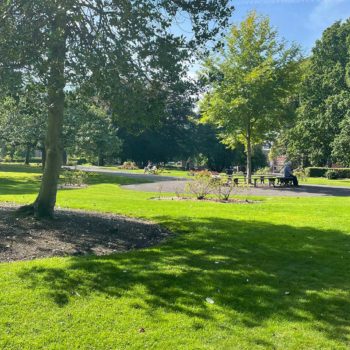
316,172
129,165
7,159
74,177
263,171
202,184
343,173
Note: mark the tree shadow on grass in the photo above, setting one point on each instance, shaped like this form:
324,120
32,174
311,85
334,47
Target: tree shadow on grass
254,271
20,186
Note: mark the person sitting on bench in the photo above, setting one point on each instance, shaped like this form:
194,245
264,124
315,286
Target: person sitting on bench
288,174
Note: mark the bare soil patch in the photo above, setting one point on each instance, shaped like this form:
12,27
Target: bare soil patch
73,233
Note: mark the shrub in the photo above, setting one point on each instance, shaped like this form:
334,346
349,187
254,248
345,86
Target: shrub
72,163
202,184
74,177
263,171
129,166
316,172
223,188
301,174
7,159
342,173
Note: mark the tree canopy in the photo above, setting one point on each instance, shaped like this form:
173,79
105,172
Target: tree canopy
320,130
116,50
249,85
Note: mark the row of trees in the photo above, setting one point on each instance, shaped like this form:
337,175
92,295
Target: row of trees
90,133
124,53
96,77
320,135
260,90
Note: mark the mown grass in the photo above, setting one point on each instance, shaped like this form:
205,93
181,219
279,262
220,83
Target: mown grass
326,182
277,271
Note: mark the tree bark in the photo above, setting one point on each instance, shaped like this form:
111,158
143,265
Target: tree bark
64,157
43,157
45,202
101,160
28,151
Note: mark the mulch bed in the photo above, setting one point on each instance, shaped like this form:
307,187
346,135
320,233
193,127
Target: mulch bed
193,199
72,233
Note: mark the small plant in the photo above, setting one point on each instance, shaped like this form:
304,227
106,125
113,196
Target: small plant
224,188
160,190
129,165
202,184
7,159
74,177
178,192
301,174
263,171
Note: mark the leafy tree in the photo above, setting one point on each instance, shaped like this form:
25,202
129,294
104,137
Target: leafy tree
23,121
89,130
341,143
249,85
325,98
118,47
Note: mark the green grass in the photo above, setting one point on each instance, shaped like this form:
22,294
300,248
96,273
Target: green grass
326,182
185,174
164,172
277,270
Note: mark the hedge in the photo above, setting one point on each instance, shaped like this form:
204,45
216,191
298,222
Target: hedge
330,173
316,172
338,173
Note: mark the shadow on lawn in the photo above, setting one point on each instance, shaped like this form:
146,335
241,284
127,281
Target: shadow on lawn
253,270
12,187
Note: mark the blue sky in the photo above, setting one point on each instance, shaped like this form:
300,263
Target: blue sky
302,21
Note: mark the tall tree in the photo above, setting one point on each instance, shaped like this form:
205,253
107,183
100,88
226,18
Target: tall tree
23,119
89,131
249,85
119,47
325,97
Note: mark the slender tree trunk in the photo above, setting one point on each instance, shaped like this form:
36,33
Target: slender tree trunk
28,151
45,202
249,156
43,157
64,157
101,160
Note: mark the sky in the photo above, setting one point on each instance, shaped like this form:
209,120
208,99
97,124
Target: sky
301,21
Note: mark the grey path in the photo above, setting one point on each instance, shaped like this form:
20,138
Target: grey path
303,191
176,184
147,177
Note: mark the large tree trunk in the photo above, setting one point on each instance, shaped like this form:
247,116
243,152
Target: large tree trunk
45,202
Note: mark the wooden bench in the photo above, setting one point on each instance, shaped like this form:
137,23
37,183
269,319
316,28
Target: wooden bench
285,181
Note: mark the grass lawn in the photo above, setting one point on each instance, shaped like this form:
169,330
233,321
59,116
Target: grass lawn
326,182
185,174
277,271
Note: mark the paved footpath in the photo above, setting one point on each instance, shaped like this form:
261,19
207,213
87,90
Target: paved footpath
175,184
302,191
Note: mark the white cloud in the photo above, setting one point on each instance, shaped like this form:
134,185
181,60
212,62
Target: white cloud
326,12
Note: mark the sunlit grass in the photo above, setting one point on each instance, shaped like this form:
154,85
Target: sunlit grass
277,271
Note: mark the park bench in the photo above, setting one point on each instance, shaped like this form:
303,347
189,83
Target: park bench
285,181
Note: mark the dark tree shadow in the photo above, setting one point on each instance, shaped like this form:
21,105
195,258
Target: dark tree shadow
19,186
253,269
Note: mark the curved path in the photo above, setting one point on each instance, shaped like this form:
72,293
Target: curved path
302,191
156,183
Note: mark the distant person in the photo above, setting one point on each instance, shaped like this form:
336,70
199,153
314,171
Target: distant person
148,168
288,173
